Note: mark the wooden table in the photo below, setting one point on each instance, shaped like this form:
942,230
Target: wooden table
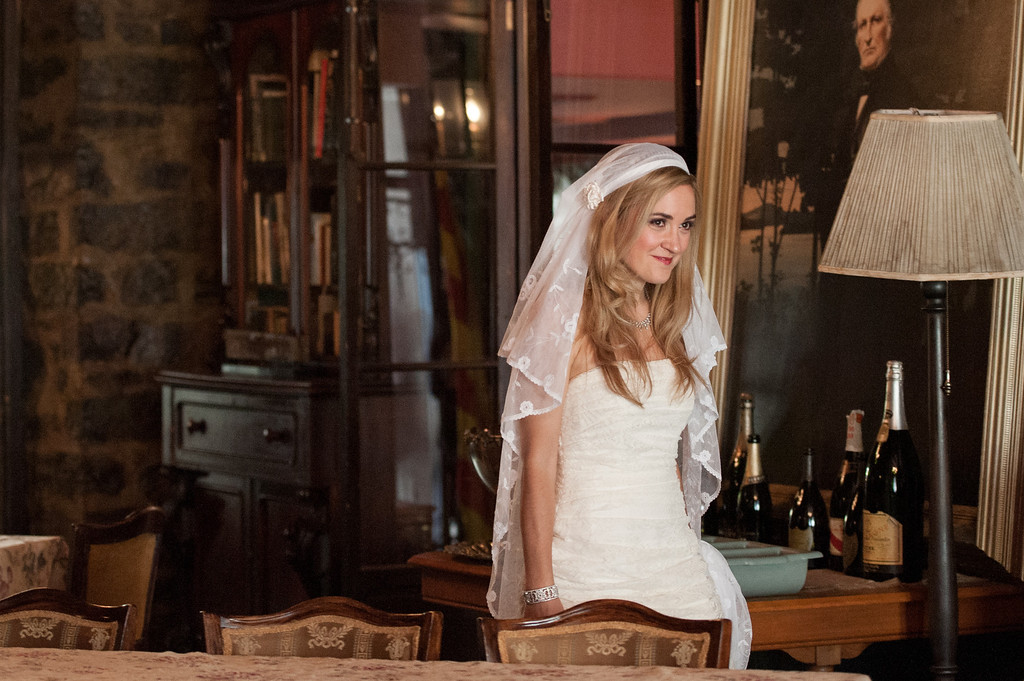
35,664
834,617
28,562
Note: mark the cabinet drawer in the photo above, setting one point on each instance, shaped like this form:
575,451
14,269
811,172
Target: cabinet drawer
232,434
267,436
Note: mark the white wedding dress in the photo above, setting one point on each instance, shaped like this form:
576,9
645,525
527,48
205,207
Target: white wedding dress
621,529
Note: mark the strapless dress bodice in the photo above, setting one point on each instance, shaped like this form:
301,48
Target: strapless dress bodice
621,528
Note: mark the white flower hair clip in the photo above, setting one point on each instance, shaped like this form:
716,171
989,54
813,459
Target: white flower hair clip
593,194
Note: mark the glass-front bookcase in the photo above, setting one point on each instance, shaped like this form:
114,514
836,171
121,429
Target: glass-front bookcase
281,172
370,239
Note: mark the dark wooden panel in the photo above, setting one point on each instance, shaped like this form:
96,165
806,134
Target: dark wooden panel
221,569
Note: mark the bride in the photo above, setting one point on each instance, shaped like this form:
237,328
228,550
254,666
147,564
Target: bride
610,454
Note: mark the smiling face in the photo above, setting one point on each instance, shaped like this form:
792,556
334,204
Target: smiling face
874,32
664,237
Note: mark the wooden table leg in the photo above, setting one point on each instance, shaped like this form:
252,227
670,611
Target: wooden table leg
825,658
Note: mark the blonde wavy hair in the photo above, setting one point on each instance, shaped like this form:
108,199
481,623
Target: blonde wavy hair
616,225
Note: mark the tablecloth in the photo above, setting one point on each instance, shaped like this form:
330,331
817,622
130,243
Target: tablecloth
28,562
24,664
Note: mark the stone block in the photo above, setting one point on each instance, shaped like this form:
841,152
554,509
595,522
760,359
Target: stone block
176,32
102,380
133,227
136,79
37,74
50,285
33,132
92,285
44,233
106,338
48,23
117,119
72,475
149,282
89,22
137,32
90,174
134,416
157,346
164,175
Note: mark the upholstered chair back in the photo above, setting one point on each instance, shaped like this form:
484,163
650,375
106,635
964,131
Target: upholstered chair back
53,618
331,626
608,632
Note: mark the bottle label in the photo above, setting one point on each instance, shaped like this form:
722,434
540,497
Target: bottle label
883,430
883,539
801,540
835,540
854,436
851,547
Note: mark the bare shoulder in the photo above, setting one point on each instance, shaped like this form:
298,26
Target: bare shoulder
582,358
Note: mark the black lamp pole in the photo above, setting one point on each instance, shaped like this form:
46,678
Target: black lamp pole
942,594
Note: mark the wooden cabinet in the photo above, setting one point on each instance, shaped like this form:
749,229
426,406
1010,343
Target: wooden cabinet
362,193
263,453
261,443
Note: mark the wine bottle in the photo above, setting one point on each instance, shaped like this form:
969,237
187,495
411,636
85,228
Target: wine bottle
754,505
808,516
736,467
893,522
853,549
844,487
709,521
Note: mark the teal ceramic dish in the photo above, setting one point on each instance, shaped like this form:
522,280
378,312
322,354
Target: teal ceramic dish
764,569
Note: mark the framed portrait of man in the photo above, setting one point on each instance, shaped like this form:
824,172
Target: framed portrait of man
811,347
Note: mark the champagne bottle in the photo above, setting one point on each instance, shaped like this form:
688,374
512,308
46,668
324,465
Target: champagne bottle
845,485
709,521
893,522
853,554
808,516
754,505
736,468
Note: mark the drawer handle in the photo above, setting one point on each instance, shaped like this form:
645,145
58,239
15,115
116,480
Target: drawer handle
272,435
194,426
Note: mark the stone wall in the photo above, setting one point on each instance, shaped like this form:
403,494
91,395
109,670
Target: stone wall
118,157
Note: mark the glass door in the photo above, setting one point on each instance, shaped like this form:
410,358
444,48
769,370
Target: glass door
424,242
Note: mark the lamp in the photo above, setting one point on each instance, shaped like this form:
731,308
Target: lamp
933,196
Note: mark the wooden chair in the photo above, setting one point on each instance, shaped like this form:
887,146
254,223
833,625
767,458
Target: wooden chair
116,563
329,626
608,632
53,618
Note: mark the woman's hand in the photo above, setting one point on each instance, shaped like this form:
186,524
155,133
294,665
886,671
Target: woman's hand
544,609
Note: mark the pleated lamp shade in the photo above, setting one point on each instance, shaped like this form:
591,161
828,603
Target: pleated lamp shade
933,196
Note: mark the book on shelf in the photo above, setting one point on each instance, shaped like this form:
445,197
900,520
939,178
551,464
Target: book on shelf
259,243
321,71
329,327
282,239
268,102
320,238
278,320
271,239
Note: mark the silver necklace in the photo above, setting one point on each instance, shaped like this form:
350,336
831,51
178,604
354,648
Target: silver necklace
646,321
643,323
